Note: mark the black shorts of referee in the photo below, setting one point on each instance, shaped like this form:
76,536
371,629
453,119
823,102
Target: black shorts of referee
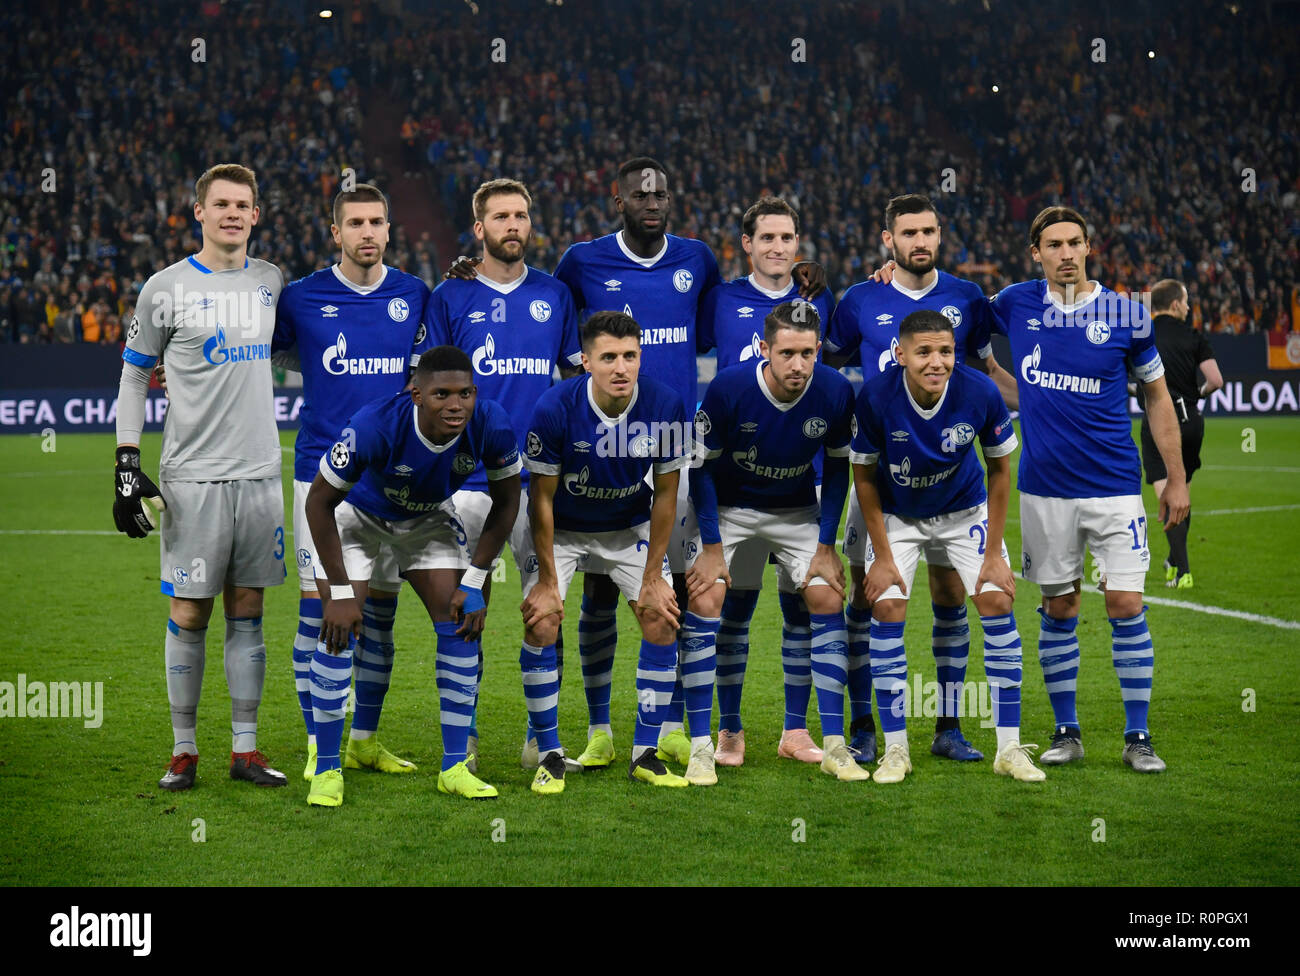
1193,432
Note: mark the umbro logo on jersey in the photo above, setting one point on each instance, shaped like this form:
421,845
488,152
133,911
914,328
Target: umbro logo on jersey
583,446
476,317
205,303
899,435
329,311
745,312
749,428
613,284
1034,324
884,319
402,470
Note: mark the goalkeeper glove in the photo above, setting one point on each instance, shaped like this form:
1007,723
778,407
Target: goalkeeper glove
134,491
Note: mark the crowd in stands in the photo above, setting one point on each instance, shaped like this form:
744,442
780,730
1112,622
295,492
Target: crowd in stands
1180,143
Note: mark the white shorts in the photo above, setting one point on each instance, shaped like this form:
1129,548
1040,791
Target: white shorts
619,554
218,532
684,544
433,541
958,535
1055,531
749,535
473,508
384,577
857,543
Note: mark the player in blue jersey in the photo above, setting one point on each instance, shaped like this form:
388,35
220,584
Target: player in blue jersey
355,330
517,324
732,321
1074,342
762,424
921,489
387,484
865,325
593,441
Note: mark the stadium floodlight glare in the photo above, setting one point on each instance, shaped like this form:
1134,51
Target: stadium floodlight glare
995,89
326,14
1151,54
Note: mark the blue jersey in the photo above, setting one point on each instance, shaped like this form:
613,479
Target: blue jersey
393,472
662,293
926,457
867,319
732,318
602,461
765,448
1072,369
514,334
355,345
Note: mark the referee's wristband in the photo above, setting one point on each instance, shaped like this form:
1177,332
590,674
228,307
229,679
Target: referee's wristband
342,592
474,578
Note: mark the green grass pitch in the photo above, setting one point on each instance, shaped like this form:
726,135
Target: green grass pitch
80,805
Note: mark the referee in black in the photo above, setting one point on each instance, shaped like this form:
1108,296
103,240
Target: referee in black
1183,351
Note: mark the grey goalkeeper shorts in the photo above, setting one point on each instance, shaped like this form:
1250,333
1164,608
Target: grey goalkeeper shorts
219,532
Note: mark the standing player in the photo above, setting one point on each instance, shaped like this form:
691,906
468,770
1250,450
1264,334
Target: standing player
866,322
397,464
1080,478
592,443
516,323
762,425
222,530
924,490
356,329
1183,351
730,321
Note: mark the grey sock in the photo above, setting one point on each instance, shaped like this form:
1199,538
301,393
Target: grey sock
245,674
184,655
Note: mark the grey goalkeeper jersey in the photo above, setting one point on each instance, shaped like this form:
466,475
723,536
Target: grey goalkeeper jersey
213,331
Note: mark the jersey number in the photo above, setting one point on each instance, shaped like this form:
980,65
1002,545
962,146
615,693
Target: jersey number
1135,526
982,530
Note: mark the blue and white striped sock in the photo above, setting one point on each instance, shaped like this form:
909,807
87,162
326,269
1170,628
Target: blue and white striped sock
656,668
830,663
733,654
1135,662
597,640
699,669
304,648
456,672
796,660
541,694
1058,653
373,664
950,638
889,674
1003,667
331,678
858,622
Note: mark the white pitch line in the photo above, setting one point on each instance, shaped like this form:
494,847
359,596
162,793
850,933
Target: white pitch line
1249,467
1246,511
57,532
1257,618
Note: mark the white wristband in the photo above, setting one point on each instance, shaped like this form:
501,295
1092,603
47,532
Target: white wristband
342,592
474,578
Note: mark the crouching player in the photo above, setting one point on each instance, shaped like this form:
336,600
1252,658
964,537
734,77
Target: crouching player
398,463
592,442
761,425
917,427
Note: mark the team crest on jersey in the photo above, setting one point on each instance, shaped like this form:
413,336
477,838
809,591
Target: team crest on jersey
539,310
957,436
682,280
953,314
304,558
180,576
340,455
642,446
1098,332
398,310
534,444
745,312
463,464
814,427
703,425
264,296
753,350
134,329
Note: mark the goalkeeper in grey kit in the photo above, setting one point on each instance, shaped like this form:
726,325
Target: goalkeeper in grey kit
218,503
